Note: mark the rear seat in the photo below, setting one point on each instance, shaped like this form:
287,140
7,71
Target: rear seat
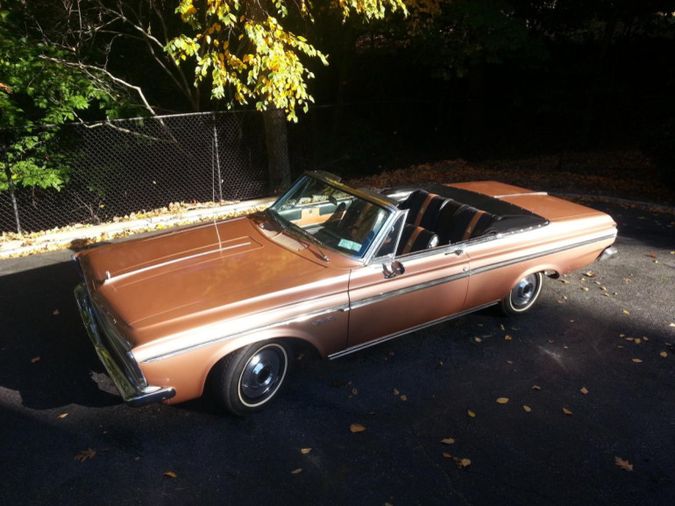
459,222
449,220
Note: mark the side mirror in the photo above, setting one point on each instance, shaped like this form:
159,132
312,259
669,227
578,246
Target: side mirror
392,270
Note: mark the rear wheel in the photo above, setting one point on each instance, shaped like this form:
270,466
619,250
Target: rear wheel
523,295
248,379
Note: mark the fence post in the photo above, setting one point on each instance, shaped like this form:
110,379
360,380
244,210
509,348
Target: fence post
217,157
12,196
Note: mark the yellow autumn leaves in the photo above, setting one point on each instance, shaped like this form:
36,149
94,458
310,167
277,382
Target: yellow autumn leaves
250,56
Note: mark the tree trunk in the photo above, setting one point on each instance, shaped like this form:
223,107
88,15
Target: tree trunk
276,141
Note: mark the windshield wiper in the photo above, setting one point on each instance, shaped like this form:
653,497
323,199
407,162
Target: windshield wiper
318,252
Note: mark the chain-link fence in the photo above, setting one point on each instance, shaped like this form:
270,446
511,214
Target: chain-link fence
132,165
124,166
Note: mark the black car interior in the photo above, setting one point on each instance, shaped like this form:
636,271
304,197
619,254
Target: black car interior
440,215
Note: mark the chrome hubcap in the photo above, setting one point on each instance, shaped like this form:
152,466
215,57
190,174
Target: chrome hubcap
524,291
263,374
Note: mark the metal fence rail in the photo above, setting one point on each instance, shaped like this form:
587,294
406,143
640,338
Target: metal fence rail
131,165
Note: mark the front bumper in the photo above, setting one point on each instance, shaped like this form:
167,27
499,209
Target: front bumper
131,384
607,253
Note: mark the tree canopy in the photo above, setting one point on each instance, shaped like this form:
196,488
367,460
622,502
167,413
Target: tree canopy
252,49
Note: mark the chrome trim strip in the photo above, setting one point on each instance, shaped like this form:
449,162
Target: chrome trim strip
110,279
371,300
296,319
471,272
524,258
408,289
421,326
521,194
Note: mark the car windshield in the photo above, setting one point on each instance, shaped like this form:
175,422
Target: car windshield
331,216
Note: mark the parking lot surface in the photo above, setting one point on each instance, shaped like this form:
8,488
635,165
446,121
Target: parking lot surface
589,375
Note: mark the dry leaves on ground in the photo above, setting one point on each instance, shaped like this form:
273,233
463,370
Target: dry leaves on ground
87,454
584,390
357,427
502,400
305,451
567,411
296,471
404,397
56,312
625,311
623,464
536,387
527,408
507,337
637,360
62,416
170,474
663,354
470,413
34,360
448,440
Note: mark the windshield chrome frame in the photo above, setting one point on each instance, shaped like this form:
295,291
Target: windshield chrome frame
379,200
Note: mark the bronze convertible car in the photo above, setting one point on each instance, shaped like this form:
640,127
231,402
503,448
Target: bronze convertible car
327,265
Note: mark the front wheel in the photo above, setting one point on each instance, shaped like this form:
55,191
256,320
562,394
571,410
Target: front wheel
250,378
523,295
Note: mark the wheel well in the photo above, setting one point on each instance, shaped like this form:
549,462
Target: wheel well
552,274
298,348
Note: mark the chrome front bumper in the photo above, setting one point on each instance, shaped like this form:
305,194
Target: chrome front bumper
132,386
607,253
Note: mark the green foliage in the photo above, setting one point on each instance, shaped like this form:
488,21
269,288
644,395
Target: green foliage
39,93
250,54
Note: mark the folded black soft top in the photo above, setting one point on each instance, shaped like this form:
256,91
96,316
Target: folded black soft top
508,216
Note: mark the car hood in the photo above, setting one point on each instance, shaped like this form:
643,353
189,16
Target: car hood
170,282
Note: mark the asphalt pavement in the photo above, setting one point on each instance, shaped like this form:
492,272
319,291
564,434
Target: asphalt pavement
594,362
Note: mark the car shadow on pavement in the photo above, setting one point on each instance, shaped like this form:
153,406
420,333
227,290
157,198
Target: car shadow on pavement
45,354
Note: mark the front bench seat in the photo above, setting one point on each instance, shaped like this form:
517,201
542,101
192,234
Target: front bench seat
416,239
423,208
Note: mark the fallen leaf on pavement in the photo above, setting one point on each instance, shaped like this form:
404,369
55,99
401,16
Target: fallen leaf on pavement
567,411
62,415
471,413
623,464
536,387
663,354
404,397
296,471
355,391
502,400
34,360
463,463
357,427
584,288
625,311
446,455
170,474
637,361
589,274
527,408
477,339
305,451
507,337
87,454
584,390
56,312
637,340
395,391
448,441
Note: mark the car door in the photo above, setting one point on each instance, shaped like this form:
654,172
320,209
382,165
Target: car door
384,303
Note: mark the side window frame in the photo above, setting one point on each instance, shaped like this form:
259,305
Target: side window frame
399,222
